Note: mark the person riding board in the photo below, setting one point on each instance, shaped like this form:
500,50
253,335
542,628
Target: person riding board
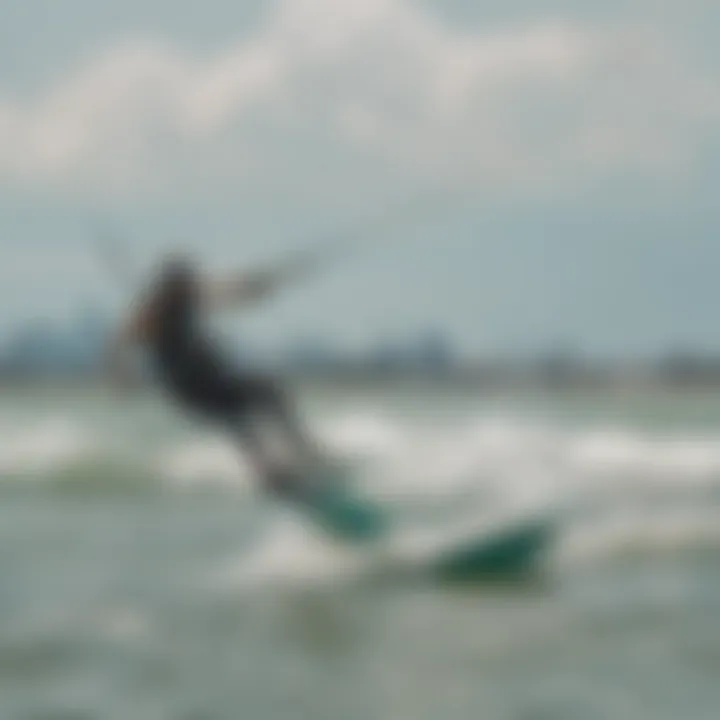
167,323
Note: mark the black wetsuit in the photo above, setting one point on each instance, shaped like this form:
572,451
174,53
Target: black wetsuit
194,373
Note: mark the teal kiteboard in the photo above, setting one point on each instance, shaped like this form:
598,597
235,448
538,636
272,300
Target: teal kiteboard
515,548
343,514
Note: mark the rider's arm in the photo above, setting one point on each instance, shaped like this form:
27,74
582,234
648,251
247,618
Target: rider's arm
243,288
252,286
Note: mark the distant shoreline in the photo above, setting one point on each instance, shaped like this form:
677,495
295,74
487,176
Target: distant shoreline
489,378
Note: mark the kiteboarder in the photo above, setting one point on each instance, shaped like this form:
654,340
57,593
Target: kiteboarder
168,323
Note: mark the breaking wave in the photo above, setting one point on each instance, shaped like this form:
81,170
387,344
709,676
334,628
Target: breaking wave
620,490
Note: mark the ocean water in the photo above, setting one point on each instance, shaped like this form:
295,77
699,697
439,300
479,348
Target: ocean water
144,577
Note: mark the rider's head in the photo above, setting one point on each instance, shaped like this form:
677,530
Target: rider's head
177,283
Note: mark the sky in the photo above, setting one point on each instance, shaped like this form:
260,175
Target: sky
552,167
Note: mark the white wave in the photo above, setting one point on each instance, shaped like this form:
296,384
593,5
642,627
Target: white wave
41,448
641,532
290,554
203,463
364,433
403,459
656,459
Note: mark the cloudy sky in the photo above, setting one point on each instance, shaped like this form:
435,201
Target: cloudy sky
557,163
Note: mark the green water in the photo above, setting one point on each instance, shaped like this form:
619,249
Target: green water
117,520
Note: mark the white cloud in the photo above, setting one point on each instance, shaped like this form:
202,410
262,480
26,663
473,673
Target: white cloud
325,85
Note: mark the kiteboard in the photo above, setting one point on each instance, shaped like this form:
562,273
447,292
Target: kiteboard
512,550
515,547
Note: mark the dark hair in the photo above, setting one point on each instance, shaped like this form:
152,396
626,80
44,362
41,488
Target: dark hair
177,284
